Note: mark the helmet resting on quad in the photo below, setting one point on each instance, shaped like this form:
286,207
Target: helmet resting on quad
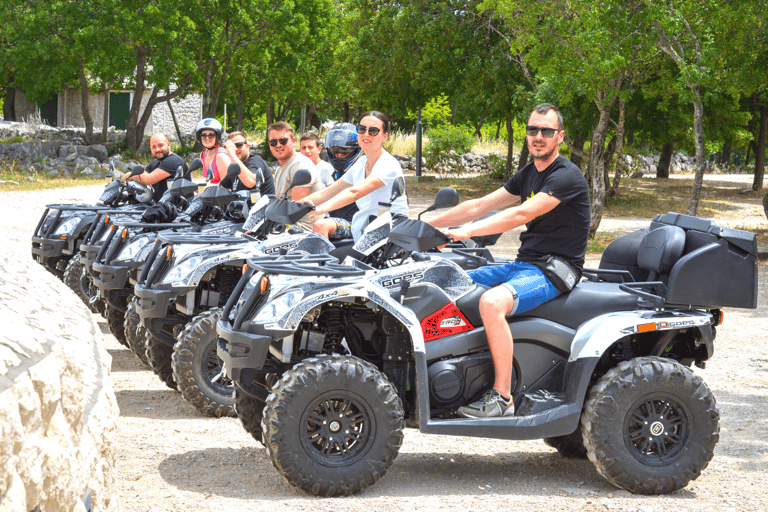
342,147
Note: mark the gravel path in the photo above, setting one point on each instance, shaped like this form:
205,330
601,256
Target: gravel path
173,459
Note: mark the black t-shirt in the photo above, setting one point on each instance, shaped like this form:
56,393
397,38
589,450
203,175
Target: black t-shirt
563,231
265,183
168,164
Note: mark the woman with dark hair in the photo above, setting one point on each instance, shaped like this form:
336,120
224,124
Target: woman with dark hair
214,156
367,182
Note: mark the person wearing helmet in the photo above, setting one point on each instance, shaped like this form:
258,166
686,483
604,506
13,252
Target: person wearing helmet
343,151
215,158
367,181
160,170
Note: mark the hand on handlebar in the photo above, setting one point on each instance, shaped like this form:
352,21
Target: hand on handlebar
455,233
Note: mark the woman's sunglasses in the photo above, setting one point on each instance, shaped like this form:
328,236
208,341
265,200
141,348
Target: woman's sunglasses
372,131
275,142
548,133
207,135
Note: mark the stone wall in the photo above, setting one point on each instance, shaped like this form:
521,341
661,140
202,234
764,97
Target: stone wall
58,412
187,111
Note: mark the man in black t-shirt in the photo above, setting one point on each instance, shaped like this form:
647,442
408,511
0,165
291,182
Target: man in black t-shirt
162,169
555,209
255,174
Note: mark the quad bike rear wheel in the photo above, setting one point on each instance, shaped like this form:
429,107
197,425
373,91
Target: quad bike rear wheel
135,333
80,282
570,446
650,425
197,369
115,321
159,357
333,425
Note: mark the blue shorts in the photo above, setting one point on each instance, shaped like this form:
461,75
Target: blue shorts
529,287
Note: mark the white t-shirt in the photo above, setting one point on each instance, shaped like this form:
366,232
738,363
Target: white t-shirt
326,172
387,169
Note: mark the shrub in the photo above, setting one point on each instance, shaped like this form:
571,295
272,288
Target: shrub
442,141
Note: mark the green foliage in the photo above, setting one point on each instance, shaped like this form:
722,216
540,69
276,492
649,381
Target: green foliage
14,139
443,140
497,165
437,112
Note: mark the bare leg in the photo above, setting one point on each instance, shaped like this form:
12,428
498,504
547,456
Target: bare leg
325,227
495,305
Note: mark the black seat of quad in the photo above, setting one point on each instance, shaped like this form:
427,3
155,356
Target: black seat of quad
570,309
659,250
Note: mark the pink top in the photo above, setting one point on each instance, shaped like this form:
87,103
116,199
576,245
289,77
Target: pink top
212,169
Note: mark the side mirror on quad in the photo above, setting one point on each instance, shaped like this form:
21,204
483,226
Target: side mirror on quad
398,189
136,170
233,170
301,178
446,197
195,164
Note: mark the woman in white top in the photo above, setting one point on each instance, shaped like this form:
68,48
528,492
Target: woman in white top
367,182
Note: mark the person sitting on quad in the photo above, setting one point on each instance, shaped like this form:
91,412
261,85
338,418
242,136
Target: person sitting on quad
255,174
367,183
555,208
282,145
162,169
215,158
311,146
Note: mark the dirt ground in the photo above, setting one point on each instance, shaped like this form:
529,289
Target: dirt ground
174,459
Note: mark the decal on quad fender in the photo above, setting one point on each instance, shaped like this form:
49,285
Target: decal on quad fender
445,321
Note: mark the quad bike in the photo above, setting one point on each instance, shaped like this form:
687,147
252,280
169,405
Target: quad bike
115,252
188,278
330,362
58,234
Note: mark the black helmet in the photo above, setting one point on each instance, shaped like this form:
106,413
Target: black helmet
209,123
342,147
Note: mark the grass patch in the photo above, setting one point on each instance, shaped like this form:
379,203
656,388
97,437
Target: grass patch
14,139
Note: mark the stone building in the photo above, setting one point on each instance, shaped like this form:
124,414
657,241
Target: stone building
63,110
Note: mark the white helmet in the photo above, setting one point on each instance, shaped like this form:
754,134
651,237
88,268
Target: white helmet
209,123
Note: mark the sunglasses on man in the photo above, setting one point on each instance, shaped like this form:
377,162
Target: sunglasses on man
372,131
548,133
275,142
238,145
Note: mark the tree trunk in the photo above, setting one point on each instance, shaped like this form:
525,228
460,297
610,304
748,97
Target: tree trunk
725,158
498,128
271,112
346,111
662,169
614,190
105,116
175,123
698,131
760,150
525,153
9,104
479,127
240,109
610,150
510,147
597,162
216,93
132,138
578,143
453,112
84,101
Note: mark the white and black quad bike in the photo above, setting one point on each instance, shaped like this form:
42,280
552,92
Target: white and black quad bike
330,362
188,278
60,231
114,253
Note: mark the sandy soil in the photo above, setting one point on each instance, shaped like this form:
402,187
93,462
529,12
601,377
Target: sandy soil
174,459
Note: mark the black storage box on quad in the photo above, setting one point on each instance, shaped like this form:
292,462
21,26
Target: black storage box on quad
718,266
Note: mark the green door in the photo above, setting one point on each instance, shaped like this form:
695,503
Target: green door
119,108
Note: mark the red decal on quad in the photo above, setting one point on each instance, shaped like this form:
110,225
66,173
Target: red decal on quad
445,321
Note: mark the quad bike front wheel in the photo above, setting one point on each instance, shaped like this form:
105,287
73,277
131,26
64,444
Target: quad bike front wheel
250,412
333,425
197,369
80,282
650,425
159,357
135,333
115,321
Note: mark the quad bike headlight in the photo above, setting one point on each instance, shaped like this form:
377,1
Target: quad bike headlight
67,227
131,251
278,307
183,269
